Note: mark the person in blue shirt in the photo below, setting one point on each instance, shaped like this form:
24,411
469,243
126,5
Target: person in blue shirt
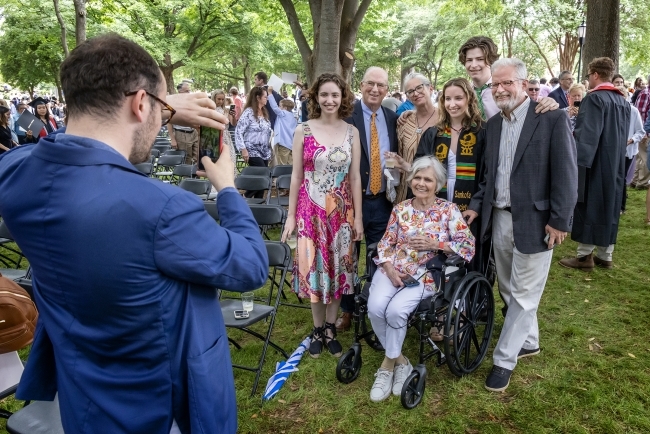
285,125
125,267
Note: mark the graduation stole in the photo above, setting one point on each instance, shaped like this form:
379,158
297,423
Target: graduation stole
465,163
606,86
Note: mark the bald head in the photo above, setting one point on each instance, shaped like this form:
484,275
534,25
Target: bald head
374,87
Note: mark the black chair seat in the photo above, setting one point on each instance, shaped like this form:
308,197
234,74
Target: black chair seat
39,417
228,307
12,273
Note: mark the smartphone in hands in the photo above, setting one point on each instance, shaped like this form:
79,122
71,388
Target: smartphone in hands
409,281
211,139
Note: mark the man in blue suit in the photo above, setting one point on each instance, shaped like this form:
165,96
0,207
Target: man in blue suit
130,333
561,93
376,207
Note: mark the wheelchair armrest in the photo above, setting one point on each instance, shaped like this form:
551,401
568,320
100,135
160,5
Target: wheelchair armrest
455,261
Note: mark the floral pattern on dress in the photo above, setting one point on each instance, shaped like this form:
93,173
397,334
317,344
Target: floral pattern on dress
442,222
325,259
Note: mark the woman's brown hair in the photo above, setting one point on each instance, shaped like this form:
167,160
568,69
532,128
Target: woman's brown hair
4,122
347,97
252,103
472,114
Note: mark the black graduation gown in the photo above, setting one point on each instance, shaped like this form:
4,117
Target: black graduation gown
601,138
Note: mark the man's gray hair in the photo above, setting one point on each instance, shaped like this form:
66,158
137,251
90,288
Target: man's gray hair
520,67
533,81
417,75
375,68
563,73
439,171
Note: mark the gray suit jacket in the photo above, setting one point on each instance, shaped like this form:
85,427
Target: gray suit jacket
543,181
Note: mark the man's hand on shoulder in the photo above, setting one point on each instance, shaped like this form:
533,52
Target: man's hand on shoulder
546,104
401,120
194,109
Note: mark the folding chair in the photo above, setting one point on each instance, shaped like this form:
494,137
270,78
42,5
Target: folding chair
175,152
183,171
200,187
279,260
162,148
211,208
256,171
254,183
39,417
146,168
7,255
11,368
282,183
284,169
162,141
155,153
165,166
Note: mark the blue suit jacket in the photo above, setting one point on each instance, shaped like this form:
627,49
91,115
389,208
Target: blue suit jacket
558,95
357,120
130,331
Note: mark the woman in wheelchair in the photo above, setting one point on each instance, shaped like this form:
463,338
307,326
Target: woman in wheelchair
418,228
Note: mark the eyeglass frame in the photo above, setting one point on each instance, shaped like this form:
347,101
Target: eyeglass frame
419,88
534,89
372,84
505,83
171,109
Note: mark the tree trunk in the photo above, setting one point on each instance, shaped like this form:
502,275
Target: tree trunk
335,26
567,51
603,31
80,20
64,37
247,77
168,72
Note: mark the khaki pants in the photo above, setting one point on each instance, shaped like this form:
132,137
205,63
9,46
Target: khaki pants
188,141
641,172
283,155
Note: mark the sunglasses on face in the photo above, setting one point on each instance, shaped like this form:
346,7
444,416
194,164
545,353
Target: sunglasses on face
533,89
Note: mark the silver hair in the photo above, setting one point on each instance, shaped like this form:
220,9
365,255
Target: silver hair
417,75
520,67
439,171
374,68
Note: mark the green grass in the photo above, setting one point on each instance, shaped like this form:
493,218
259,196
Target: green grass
593,375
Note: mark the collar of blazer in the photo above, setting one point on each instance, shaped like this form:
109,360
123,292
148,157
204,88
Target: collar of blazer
530,125
72,150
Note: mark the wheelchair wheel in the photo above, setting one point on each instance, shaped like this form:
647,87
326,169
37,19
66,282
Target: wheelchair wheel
468,326
413,389
349,365
370,338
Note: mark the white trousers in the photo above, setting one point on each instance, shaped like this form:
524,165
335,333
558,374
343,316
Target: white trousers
389,316
604,253
522,279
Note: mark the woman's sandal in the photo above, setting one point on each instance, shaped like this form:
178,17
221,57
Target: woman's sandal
333,345
316,345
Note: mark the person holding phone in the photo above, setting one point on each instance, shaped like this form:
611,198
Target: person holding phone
575,95
418,228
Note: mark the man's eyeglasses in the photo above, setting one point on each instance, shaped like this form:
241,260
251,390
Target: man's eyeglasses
590,74
417,89
504,84
533,89
380,86
166,107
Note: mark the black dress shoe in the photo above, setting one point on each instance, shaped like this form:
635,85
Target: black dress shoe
498,380
527,353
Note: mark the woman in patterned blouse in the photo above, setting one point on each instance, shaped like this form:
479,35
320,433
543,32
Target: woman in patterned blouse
253,132
418,228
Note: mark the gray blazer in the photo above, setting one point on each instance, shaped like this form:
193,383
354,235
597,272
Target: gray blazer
543,181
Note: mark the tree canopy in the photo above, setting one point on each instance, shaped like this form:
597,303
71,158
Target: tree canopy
221,43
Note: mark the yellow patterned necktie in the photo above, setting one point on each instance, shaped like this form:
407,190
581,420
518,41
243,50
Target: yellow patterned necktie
375,158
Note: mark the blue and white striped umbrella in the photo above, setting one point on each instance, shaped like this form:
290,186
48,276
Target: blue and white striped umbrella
284,369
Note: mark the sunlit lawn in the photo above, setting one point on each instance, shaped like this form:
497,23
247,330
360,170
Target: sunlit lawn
593,374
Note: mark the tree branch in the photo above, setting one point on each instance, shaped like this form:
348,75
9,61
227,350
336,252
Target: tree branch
296,29
64,38
541,53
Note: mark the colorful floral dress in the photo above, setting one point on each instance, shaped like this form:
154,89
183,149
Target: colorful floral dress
325,258
442,222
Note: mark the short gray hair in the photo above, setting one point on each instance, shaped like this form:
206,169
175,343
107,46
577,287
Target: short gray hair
417,75
439,172
375,68
520,67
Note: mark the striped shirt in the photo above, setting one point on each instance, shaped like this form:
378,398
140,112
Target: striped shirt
510,131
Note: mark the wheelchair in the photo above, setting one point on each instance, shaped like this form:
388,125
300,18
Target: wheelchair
463,306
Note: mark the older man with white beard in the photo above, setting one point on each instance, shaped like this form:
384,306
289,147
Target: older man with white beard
526,200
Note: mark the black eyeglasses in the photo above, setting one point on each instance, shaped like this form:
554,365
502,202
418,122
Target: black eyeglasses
417,89
505,84
166,106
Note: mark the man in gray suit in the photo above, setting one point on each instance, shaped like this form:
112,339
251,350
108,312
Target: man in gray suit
526,199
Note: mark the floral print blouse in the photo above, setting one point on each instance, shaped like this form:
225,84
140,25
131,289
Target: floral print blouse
254,134
442,222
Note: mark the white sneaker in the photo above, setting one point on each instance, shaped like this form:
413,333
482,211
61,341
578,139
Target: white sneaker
382,386
401,373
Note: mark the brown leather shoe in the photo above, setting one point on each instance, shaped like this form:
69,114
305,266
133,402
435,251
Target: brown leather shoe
585,263
344,322
603,264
